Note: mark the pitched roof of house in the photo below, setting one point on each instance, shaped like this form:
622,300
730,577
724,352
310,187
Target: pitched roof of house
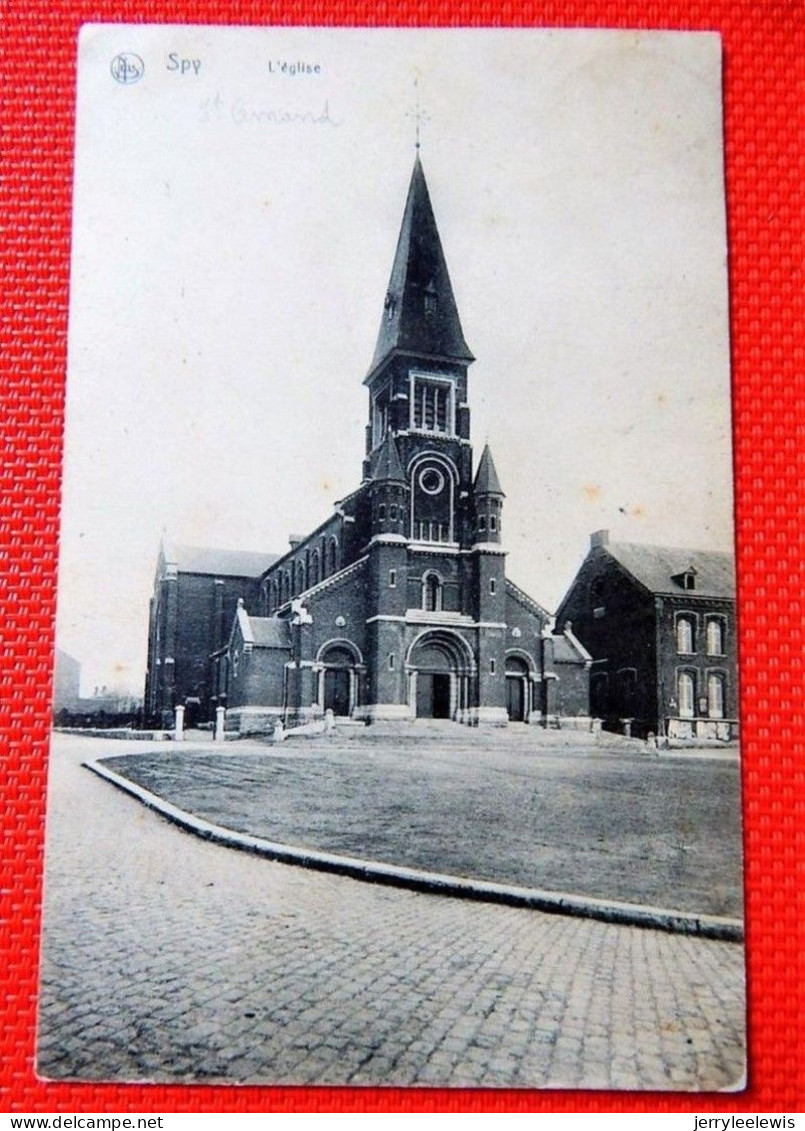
486,478
655,567
385,463
220,563
420,313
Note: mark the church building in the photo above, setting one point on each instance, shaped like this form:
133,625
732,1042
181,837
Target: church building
398,606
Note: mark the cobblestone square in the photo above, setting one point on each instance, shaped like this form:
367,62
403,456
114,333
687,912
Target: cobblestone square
168,958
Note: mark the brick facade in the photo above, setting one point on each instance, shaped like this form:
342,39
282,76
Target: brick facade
397,606
659,623
196,593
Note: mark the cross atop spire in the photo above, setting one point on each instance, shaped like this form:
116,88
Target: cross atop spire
420,314
418,114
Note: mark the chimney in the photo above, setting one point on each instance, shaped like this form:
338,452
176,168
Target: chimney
599,538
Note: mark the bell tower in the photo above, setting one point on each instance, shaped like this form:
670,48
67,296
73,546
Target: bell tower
417,381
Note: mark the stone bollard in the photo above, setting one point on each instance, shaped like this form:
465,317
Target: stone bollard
178,726
329,719
279,732
220,716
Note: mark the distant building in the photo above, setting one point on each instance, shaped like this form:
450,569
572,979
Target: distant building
659,623
196,593
107,706
66,682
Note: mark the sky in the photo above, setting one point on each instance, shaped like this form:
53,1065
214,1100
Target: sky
234,229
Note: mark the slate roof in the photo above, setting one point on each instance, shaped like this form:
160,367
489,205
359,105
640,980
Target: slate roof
486,478
419,274
655,567
220,563
568,650
270,632
386,462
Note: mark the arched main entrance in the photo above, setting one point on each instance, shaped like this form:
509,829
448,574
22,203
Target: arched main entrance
338,678
439,666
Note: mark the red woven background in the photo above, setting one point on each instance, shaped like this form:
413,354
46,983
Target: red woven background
763,45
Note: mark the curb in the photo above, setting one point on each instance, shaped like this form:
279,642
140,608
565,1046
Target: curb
435,883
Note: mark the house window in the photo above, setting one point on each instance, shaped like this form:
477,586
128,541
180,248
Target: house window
314,568
235,664
493,523
596,592
392,579
684,636
432,406
685,695
393,513
381,511
715,696
482,522
715,638
391,661
432,593
492,666
492,586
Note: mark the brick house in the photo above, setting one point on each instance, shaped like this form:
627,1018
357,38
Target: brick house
196,593
398,605
659,623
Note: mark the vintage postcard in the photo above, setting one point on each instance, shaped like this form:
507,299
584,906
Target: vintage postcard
396,709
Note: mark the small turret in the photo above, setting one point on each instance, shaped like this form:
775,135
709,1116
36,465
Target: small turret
488,497
388,490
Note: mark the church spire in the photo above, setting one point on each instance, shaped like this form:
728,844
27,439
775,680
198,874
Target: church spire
486,477
420,314
488,499
386,466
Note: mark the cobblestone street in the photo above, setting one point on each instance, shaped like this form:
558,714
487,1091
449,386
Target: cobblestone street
169,958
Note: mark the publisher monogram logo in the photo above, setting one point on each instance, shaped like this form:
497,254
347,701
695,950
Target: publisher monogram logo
127,68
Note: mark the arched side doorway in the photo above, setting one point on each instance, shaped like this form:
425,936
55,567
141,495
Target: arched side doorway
439,666
339,664
520,687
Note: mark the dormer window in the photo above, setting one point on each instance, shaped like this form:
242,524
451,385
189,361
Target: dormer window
430,299
686,579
